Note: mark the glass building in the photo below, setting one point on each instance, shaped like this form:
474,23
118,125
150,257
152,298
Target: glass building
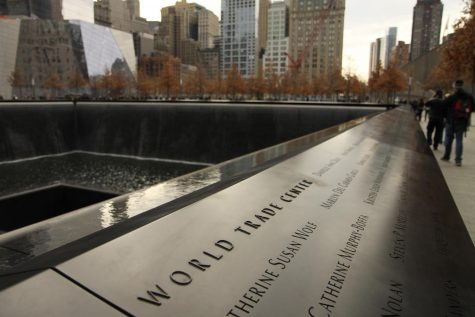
52,57
242,22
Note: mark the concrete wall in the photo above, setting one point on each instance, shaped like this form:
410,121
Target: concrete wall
193,132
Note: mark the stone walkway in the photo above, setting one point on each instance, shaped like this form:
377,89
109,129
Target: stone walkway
461,180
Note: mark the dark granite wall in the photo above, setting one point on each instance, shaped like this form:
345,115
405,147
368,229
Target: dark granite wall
29,130
194,132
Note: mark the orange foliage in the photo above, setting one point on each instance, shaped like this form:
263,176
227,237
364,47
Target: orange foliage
391,80
169,78
458,57
235,85
77,81
145,84
53,82
195,84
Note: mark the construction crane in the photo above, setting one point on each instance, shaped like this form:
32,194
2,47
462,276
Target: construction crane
296,63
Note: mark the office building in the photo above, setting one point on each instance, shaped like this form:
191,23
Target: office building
381,50
426,26
375,56
242,22
49,9
316,36
210,62
208,28
115,14
400,54
275,58
389,43
185,28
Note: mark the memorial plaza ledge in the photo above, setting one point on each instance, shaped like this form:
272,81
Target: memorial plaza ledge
359,219
460,179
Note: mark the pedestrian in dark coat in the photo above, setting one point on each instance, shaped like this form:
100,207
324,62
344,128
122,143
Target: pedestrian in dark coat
436,110
459,107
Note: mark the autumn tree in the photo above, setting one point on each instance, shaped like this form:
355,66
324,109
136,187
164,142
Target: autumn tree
54,83
272,83
145,84
195,84
439,79
335,83
215,87
355,88
77,81
256,86
373,80
114,83
234,83
458,56
16,80
287,86
319,85
119,84
303,86
105,82
169,78
392,80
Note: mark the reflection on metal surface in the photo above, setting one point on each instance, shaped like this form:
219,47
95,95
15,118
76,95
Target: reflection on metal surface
160,194
360,225
43,237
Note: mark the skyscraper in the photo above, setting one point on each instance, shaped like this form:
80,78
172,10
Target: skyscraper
400,54
242,22
275,58
390,43
380,51
316,28
186,26
375,56
426,25
208,28
114,14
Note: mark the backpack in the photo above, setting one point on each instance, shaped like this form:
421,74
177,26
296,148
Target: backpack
462,109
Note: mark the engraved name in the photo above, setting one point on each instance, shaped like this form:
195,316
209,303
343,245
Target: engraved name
259,288
334,286
211,256
339,190
393,306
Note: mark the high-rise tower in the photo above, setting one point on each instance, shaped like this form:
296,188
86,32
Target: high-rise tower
186,27
316,27
242,22
275,59
426,25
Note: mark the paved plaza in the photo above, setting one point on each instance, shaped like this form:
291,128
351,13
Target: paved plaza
461,180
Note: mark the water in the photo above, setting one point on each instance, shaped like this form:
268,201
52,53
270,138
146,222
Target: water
109,173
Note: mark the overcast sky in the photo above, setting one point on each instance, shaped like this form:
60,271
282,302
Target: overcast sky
365,20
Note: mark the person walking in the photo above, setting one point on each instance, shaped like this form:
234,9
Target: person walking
436,110
458,111
419,109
